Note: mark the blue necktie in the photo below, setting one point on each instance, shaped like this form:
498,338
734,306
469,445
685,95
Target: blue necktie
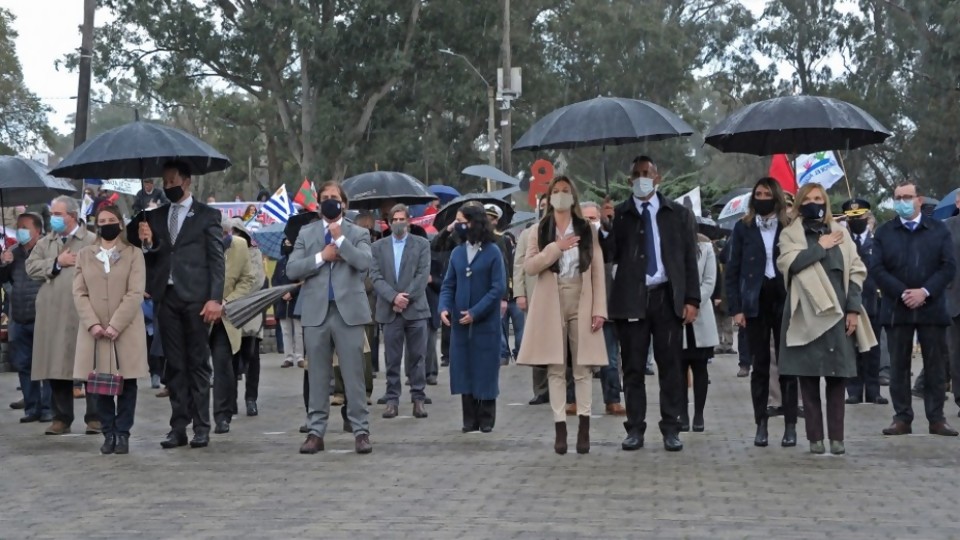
327,241
912,225
648,240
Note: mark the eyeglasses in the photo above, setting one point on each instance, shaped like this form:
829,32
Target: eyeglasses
907,198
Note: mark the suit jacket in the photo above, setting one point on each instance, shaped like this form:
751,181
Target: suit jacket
346,275
870,297
195,261
624,247
902,260
414,270
745,269
953,290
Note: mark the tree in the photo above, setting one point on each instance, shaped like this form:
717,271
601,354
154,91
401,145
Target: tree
23,118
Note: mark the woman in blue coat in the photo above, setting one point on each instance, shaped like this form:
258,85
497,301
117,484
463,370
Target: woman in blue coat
470,305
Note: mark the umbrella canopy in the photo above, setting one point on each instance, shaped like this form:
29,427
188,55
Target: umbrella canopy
444,193
734,193
796,125
603,121
139,150
947,205
25,181
269,239
242,310
448,213
296,222
369,190
491,172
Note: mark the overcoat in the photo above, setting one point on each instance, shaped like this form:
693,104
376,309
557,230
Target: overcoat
705,327
111,299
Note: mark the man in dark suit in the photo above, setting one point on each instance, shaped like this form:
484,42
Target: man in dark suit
400,271
865,387
913,263
183,248
652,243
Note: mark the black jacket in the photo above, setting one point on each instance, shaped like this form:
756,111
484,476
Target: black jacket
902,260
23,293
870,297
746,267
283,309
195,261
623,245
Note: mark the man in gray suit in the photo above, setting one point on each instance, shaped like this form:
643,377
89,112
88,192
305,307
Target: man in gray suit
331,257
401,266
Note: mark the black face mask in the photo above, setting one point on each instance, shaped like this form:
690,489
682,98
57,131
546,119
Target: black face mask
174,194
813,210
764,207
857,226
110,232
286,248
461,230
331,209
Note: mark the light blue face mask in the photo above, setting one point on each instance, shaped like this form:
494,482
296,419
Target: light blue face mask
58,224
23,236
904,209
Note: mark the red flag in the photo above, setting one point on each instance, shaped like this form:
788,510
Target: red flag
781,171
306,195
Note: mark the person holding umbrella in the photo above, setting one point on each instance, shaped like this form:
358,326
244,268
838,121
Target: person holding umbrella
755,296
183,249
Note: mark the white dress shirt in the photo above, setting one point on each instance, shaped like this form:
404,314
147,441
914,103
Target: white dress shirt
769,234
338,242
569,259
661,276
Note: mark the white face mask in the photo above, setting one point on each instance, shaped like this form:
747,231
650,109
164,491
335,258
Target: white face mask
643,187
561,200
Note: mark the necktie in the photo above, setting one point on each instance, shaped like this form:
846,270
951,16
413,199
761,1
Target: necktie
857,241
328,239
912,225
174,225
649,248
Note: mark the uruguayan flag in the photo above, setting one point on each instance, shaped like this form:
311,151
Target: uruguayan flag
279,206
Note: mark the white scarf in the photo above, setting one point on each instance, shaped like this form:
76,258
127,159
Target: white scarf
104,256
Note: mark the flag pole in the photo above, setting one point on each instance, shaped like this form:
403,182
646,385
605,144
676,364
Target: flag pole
845,178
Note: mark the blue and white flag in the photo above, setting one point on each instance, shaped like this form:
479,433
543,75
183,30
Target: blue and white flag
821,167
279,206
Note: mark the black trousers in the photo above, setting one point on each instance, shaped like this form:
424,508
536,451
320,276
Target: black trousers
116,413
249,366
759,331
933,348
444,344
664,328
224,376
813,408
694,360
61,403
186,348
866,385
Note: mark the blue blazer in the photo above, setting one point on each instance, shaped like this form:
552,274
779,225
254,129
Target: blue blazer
744,271
870,298
902,260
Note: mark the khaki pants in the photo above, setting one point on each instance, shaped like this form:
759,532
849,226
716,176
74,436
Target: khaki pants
556,373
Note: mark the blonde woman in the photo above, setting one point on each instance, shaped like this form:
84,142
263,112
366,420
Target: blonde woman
823,320
570,307
108,289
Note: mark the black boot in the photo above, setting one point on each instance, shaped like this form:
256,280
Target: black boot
109,444
761,438
583,435
470,421
487,416
698,421
789,436
684,421
123,444
560,444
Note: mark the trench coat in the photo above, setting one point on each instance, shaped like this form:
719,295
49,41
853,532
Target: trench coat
705,327
254,328
115,300
543,342
54,342
238,282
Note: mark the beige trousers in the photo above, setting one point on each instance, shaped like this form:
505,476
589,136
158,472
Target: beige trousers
556,373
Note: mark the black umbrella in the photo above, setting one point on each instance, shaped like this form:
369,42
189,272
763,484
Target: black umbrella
796,125
297,221
243,310
448,213
25,181
139,150
367,191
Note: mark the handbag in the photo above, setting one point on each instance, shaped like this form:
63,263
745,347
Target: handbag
105,384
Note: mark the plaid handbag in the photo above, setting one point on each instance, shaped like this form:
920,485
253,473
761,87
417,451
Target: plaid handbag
106,384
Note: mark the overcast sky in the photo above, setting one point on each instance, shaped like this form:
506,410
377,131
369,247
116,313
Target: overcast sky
49,29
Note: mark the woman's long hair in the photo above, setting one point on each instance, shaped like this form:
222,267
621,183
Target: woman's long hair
547,228
479,230
802,194
122,240
780,203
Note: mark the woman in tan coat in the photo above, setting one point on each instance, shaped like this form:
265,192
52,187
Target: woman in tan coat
108,289
570,307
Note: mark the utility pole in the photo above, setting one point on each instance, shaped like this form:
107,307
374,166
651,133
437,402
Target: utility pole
83,90
505,125
492,129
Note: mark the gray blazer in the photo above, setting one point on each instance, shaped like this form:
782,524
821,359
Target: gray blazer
414,271
953,290
345,275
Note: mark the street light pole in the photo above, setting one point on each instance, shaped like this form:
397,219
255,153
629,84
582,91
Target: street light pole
491,111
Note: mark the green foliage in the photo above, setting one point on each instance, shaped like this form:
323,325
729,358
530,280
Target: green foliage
23,118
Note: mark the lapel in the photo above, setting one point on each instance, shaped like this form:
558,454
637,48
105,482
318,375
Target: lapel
404,257
391,261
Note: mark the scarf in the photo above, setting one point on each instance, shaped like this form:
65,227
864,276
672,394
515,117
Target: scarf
105,256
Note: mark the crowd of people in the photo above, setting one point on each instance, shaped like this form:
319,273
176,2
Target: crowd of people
605,288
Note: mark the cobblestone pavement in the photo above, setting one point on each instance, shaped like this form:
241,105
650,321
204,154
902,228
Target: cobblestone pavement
427,480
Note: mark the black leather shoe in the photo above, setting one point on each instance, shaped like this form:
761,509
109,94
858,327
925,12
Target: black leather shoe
17,405
252,408
698,423
109,445
853,400
761,438
200,439
222,427
174,439
28,418
539,400
789,436
382,401
123,445
684,424
304,429
671,442
427,401
634,441
880,400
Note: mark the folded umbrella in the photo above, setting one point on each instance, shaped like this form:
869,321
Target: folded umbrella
243,310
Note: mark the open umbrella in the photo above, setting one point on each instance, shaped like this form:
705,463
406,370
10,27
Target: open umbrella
603,121
242,310
448,213
25,181
269,239
732,194
947,205
139,150
444,193
369,190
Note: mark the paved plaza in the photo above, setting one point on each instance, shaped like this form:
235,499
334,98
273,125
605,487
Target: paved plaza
427,480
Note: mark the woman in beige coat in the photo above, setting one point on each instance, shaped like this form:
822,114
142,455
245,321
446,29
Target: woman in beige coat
570,307
108,288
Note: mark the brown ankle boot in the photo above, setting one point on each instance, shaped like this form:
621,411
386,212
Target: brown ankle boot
583,435
560,446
